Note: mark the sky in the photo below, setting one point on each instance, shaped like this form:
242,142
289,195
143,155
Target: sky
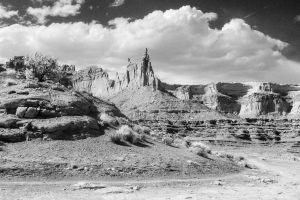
189,41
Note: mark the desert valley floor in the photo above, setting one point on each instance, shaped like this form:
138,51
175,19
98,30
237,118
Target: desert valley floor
275,175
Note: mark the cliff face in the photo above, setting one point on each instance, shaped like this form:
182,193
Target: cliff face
246,100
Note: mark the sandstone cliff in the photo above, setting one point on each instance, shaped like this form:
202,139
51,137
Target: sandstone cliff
246,100
97,82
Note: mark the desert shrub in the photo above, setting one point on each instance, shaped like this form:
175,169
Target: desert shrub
168,140
201,145
224,155
127,134
199,151
43,67
198,148
116,138
187,142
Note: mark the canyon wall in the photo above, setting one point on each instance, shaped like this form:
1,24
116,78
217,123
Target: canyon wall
246,100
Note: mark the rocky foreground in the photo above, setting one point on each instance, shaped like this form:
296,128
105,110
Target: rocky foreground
50,111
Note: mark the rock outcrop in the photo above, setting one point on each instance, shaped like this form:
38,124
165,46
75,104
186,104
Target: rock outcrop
245,100
97,82
51,111
240,99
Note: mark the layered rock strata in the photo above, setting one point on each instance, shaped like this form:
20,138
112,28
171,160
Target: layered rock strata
240,99
50,111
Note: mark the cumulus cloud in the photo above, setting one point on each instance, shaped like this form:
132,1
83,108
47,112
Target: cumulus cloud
183,47
62,8
117,3
5,13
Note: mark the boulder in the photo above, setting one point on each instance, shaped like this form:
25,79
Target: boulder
12,135
66,125
44,113
21,111
8,121
31,112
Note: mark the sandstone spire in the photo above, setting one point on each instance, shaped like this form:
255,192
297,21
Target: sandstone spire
136,76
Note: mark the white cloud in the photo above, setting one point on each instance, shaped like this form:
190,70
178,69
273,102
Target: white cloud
5,13
117,3
183,48
297,18
62,8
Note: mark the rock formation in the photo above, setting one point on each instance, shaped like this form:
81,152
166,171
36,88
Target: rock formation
97,82
245,99
247,111
240,99
30,109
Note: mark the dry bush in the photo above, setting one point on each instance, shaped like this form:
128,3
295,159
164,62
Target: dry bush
239,160
127,134
198,148
168,140
116,138
43,68
199,151
187,142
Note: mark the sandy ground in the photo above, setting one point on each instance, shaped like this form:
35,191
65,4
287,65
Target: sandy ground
274,178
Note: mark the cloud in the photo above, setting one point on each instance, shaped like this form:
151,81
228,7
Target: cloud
61,8
183,48
297,18
5,13
117,3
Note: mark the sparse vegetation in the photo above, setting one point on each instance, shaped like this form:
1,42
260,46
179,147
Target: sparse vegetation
198,148
43,68
127,134
199,151
168,140
116,138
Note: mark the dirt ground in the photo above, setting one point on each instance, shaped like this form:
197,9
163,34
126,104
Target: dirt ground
276,176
